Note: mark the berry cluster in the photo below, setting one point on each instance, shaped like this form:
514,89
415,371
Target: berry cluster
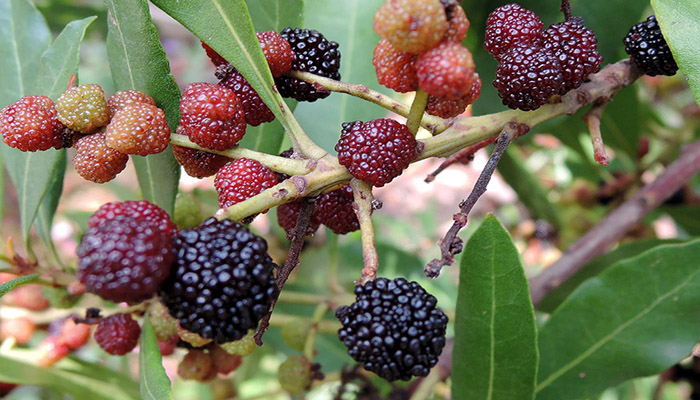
535,64
648,49
421,48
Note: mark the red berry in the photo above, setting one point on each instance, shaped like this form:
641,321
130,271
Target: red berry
334,209
125,259
197,163
51,350
457,24
96,161
215,57
196,365
395,69
256,112
377,151
224,363
212,116
510,25
27,296
117,334
83,108
73,334
241,180
124,98
138,128
446,70
31,124
527,77
445,108
21,329
277,51
288,215
140,209
575,47
411,25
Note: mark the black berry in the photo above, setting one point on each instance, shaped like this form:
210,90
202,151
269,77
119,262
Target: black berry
648,49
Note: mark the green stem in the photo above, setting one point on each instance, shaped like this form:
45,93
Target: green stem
417,110
362,192
275,163
317,317
430,122
300,140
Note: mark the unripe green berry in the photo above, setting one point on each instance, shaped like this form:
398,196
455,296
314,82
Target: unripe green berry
188,211
242,347
295,374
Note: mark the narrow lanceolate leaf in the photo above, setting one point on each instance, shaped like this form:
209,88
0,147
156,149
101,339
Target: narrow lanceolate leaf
495,350
137,61
11,284
79,379
636,319
679,23
47,209
155,384
275,15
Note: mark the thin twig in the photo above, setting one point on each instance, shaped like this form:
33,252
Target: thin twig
415,115
592,119
362,192
463,156
289,265
566,9
614,226
451,245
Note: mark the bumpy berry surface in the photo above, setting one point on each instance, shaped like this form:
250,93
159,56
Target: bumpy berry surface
446,108
117,334
124,98
457,24
294,333
197,163
215,57
188,211
138,128
395,69
334,209
31,124
527,77
277,51
376,151
393,328
212,116
576,49
124,259
411,25
312,53
256,112
191,338
222,282
137,209
288,215
294,374
83,108
510,25
96,161
241,347
223,362
446,70
195,365
648,49
241,180
164,325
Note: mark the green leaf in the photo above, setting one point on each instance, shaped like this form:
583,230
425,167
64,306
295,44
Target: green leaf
137,61
598,265
155,384
275,15
681,28
495,350
47,210
11,284
79,379
686,216
350,24
635,319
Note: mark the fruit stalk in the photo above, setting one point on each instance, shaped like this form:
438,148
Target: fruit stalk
417,111
362,192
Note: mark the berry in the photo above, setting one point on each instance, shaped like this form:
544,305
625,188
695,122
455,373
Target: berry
31,124
510,25
395,69
21,329
96,161
188,211
137,209
83,108
242,347
312,53
457,24
223,280
138,128
6,388
28,297
51,350
393,328
215,57
411,25
288,215
197,163
212,116
73,334
527,77
241,180
164,325
256,112
191,338
575,47
376,151
446,70
117,334
295,374
445,108
294,333
224,363
195,365
124,258
648,49
334,209
277,51
124,98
